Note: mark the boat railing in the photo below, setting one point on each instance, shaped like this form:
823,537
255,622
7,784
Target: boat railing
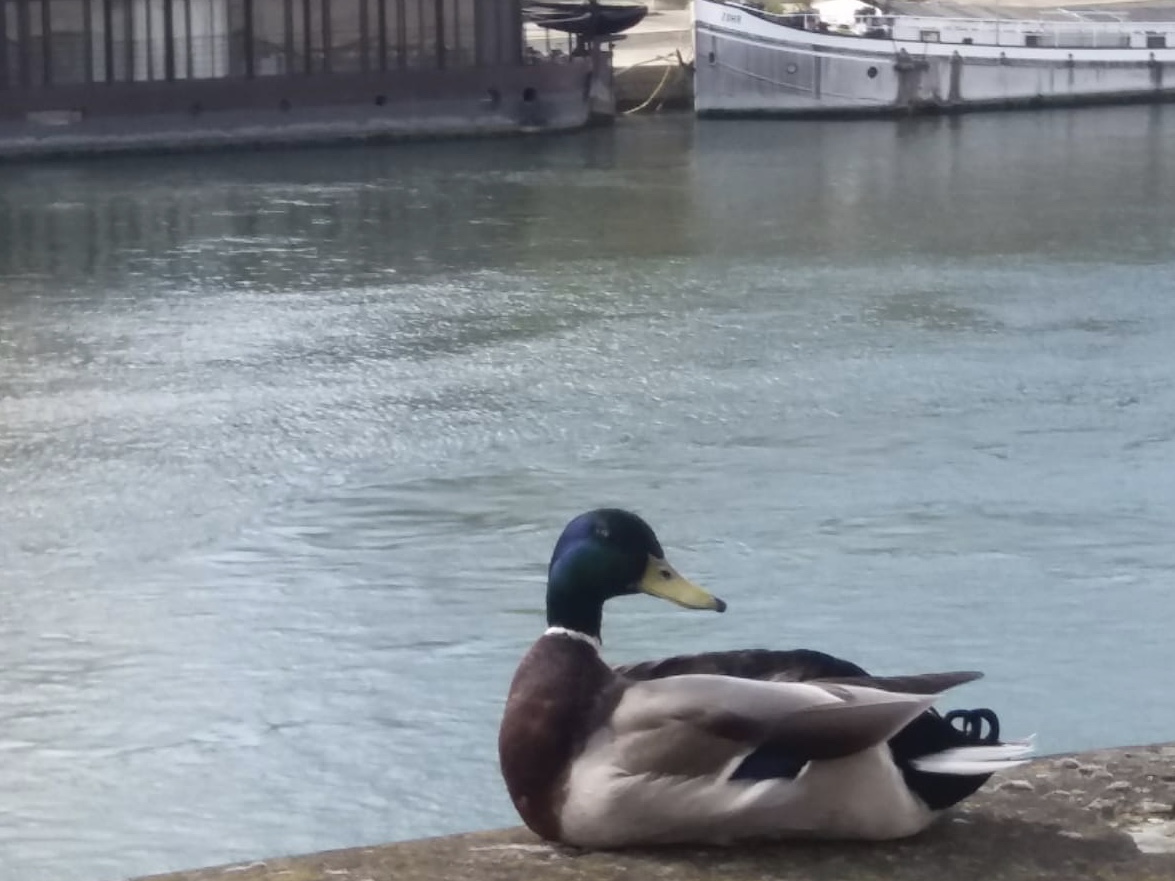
1041,33
804,21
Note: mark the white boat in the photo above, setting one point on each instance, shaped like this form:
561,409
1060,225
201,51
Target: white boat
751,62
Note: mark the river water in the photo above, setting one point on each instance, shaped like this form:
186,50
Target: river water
286,439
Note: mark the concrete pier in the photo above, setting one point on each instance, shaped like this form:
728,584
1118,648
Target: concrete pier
71,85
1105,815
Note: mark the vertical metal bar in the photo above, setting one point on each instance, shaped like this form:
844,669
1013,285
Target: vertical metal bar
401,34
421,37
364,39
3,44
500,17
381,23
168,41
327,39
307,45
288,24
453,26
440,33
149,33
461,13
517,44
24,37
108,39
129,32
188,44
88,37
424,15
479,53
250,67
46,43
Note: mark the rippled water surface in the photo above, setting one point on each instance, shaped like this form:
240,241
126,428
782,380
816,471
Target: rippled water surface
286,439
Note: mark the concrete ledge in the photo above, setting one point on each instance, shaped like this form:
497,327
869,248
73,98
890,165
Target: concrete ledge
242,130
1103,815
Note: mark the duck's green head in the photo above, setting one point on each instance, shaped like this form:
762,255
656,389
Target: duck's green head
606,553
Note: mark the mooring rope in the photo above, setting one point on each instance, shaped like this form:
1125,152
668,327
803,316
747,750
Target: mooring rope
656,91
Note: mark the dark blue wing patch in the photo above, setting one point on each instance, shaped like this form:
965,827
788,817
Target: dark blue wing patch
769,763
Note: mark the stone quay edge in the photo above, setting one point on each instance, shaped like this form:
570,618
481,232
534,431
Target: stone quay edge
1106,814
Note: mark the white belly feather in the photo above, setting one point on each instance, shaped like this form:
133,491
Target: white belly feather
862,796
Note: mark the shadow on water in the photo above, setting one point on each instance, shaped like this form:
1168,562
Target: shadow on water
360,213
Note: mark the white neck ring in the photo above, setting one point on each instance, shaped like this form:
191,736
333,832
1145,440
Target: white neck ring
574,634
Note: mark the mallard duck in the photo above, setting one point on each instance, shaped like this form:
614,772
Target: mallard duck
719,747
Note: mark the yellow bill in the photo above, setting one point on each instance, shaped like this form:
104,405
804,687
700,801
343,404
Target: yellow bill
662,580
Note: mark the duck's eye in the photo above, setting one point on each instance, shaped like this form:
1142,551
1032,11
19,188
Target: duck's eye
666,574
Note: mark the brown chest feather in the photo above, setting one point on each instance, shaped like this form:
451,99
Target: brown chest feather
560,693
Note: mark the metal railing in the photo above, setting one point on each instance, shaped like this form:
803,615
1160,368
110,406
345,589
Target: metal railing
1043,33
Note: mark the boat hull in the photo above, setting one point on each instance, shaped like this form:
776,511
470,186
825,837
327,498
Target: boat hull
748,66
578,18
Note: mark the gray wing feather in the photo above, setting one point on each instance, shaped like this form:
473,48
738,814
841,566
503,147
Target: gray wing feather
816,720
918,683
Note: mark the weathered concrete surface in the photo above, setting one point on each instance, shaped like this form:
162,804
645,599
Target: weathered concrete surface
1103,815
652,87
85,120
256,129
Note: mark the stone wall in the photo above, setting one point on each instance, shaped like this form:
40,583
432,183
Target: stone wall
1103,815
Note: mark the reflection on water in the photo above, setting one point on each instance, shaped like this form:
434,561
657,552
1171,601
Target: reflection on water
956,187
285,440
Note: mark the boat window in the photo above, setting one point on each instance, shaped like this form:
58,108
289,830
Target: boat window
967,41
929,36
1156,41
1032,39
